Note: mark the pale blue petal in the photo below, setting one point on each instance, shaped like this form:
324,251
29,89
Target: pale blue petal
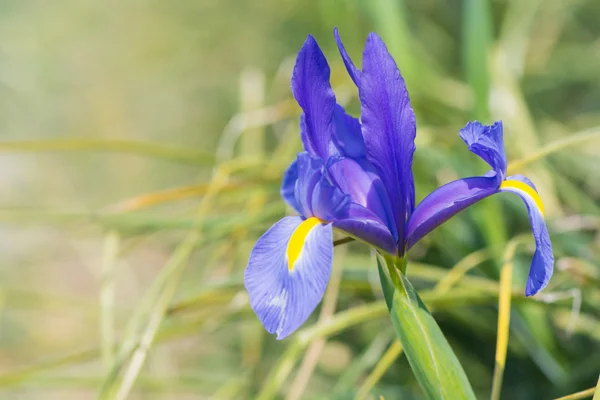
542,264
283,299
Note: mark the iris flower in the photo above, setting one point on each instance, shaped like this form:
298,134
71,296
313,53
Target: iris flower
356,176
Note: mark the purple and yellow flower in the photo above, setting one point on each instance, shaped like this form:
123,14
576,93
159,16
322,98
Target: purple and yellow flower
356,176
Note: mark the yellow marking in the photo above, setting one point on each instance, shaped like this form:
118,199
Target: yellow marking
294,247
513,184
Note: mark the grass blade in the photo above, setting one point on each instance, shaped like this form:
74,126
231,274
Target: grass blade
584,394
503,318
146,149
391,355
107,298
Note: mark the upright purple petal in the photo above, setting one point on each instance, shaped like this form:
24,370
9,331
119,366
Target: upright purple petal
486,141
389,127
542,263
312,90
354,72
283,292
447,201
347,134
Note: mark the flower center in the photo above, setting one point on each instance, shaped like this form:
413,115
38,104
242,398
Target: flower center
515,185
296,243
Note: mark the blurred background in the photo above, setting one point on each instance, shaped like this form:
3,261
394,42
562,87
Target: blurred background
142,145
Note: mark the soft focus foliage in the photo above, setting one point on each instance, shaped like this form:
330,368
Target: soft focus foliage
141,150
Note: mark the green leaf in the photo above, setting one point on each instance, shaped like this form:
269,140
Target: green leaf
433,362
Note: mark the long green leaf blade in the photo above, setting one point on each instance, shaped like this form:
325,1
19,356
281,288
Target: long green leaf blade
433,362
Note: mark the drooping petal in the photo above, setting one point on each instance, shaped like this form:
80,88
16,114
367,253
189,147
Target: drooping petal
486,141
389,127
542,263
447,201
347,134
288,186
363,224
312,91
358,179
288,271
354,72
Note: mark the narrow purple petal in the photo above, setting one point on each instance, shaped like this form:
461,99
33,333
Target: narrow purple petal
288,186
389,127
347,134
282,297
447,201
309,171
312,90
542,263
354,72
314,194
486,141
329,203
358,179
363,224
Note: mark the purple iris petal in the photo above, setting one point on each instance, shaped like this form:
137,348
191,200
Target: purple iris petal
486,141
354,72
314,195
358,179
524,179
447,201
288,185
309,174
365,225
389,127
329,203
542,264
281,297
347,134
312,90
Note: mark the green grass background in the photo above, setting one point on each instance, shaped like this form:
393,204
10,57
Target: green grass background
141,149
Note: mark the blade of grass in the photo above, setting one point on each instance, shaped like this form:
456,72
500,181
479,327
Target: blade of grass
586,324
476,38
145,323
107,298
179,261
169,195
461,268
369,358
147,149
575,139
584,394
503,317
231,389
338,323
391,355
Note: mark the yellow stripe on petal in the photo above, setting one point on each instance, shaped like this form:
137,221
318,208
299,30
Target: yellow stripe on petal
523,187
294,247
